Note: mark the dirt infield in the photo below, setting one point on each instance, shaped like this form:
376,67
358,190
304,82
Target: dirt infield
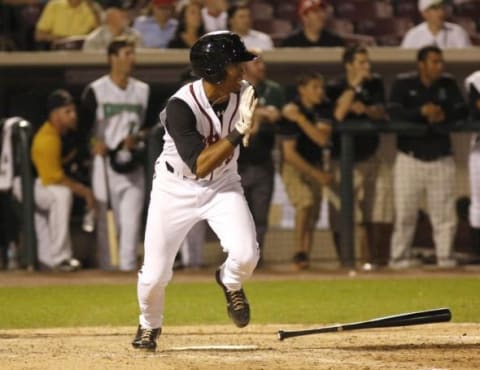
440,346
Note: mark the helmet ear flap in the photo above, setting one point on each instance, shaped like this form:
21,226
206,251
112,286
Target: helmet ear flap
216,77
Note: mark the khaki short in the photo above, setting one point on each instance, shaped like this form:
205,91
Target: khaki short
302,191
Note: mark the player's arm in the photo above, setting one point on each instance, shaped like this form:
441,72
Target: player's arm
376,110
319,133
201,158
191,146
291,156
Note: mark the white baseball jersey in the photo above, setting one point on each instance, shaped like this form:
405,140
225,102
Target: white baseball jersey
208,125
120,112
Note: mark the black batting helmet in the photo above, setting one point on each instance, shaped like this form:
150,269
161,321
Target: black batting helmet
212,52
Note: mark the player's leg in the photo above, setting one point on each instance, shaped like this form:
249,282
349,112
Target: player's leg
228,215
130,213
441,206
171,214
408,187
261,197
54,205
474,211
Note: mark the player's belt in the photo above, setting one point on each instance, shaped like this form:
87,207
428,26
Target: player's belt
172,171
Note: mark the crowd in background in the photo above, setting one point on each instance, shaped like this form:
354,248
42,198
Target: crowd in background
114,117
90,24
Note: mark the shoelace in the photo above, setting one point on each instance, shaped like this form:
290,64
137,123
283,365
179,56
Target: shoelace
238,299
147,335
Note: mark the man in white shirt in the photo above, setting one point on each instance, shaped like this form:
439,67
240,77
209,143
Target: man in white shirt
214,15
240,22
435,31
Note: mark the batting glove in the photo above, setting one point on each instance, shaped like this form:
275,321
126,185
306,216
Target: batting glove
248,102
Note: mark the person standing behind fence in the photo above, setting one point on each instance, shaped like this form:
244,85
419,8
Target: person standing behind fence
53,189
360,94
116,104
424,164
305,130
472,84
255,164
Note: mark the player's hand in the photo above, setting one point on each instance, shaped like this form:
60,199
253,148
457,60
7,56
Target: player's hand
99,148
322,177
358,108
130,142
248,102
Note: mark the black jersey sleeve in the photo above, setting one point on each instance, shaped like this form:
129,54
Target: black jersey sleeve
87,111
182,127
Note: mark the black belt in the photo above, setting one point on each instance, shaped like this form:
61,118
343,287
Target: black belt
169,167
426,157
172,170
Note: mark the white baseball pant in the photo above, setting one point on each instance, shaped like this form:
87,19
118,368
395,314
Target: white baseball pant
176,204
474,169
53,204
412,179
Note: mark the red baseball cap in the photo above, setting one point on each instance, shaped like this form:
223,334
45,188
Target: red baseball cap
305,6
163,2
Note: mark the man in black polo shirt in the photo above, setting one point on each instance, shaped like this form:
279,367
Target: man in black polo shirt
305,130
255,164
360,94
312,15
425,164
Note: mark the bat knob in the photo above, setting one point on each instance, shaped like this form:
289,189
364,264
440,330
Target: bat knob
281,334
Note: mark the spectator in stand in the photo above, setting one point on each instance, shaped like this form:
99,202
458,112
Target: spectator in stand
53,189
190,27
360,94
240,22
255,164
435,30
304,132
158,25
472,84
312,15
424,164
214,15
64,18
115,25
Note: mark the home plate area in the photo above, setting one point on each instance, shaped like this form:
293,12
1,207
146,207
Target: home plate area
436,346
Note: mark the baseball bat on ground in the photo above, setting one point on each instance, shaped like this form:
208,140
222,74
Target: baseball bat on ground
404,319
112,234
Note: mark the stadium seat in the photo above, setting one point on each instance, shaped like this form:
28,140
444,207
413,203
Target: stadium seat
357,10
261,10
388,32
469,9
278,29
69,43
287,11
340,25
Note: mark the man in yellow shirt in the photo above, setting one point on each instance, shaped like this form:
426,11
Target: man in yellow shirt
53,189
64,18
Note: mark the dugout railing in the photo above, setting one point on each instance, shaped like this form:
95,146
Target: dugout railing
348,130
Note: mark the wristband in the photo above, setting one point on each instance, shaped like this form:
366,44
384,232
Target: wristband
235,137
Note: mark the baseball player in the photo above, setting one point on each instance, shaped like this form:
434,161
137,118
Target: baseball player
196,179
117,105
53,188
472,84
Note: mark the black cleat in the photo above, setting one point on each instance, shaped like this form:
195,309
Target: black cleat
146,338
237,305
